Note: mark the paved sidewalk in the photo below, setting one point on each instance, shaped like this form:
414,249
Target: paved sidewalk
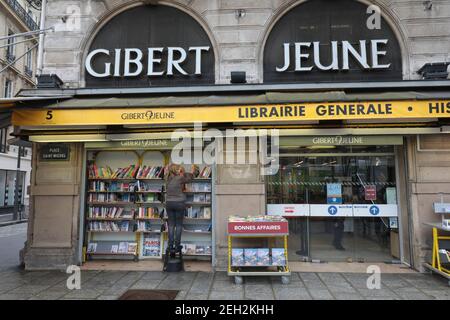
12,240
17,284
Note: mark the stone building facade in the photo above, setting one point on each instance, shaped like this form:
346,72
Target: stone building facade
238,31
15,17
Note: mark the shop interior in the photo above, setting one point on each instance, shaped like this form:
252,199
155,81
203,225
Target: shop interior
303,177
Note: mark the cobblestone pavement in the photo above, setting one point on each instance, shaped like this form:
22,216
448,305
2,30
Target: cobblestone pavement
17,284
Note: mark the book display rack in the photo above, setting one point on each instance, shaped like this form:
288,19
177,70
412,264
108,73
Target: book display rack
125,209
258,261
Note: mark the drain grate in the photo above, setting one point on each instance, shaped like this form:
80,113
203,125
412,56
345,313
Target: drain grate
149,295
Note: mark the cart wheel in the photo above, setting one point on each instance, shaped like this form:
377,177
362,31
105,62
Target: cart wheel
285,279
238,280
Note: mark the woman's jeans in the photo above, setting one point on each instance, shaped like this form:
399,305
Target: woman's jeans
175,213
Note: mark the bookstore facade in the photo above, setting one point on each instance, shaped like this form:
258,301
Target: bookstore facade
350,168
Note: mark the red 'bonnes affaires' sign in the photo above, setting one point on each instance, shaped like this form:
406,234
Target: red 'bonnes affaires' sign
269,227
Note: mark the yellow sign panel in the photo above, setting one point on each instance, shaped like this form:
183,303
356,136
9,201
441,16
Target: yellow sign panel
260,113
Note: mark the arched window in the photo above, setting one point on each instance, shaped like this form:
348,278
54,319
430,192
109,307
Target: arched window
158,46
330,41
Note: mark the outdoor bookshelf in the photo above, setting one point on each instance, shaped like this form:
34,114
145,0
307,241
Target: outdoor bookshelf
127,206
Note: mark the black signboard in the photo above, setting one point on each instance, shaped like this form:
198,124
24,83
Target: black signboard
150,36
54,152
332,41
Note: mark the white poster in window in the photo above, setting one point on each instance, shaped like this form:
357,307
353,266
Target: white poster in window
331,210
375,210
288,210
391,195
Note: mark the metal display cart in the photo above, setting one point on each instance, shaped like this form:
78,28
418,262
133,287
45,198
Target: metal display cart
258,229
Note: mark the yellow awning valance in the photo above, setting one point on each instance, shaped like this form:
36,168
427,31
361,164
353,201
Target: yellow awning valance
264,113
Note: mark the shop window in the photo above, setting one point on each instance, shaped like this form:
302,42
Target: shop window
10,49
29,63
8,89
325,176
8,187
3,137
2,188
306,178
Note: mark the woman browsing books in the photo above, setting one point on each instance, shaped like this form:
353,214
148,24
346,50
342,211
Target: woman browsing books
176,178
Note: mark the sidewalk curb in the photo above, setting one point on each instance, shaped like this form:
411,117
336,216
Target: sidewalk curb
9,223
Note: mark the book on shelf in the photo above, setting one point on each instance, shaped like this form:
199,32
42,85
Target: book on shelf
278,257
123,247
110,197
198,212
263,256
196,249
237,257
109,213
250,257
92,247
200,249
148,213
132,248
199,198
145,186
130,172
189,248
150,172
102,186
146,226
99,172
151,246
205,173
109,226
198,187
197,228
114,248
148,198
265,218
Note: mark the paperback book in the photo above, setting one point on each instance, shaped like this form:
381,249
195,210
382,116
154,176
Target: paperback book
263,257
250,257
237,257
278,257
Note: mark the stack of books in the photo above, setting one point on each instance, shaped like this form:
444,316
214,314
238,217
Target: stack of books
205,173
149,172
196,249
109,226
148,213
198,187
102,186
110,197
146,226
96,172
198,213
256,219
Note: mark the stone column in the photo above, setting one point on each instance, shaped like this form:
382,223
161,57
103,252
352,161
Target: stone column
53,230
428,178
